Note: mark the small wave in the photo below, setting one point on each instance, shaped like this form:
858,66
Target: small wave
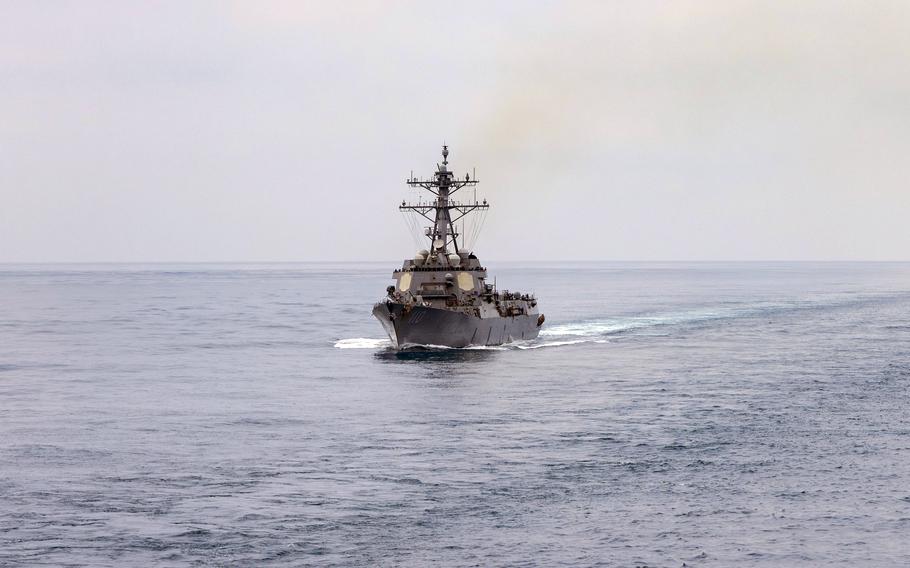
362,343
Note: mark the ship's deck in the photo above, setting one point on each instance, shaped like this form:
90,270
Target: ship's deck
440,269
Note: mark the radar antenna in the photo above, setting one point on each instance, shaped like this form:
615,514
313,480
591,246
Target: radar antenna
439,212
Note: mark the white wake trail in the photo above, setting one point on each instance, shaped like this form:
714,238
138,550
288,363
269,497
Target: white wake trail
362,343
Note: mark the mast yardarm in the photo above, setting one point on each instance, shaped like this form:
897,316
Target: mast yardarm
443,212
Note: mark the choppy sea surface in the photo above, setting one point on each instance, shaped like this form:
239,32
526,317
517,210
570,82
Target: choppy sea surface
254,415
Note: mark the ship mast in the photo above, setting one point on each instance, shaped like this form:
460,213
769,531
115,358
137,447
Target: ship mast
440,211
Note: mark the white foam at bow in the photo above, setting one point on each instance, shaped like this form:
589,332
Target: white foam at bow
362,343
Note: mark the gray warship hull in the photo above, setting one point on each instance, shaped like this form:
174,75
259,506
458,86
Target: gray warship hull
419,325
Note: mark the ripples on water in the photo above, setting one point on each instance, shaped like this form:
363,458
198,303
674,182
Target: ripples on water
709,414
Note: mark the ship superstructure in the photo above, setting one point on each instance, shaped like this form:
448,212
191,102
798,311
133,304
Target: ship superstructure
441,296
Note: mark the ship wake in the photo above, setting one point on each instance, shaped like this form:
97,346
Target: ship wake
662,324
646,325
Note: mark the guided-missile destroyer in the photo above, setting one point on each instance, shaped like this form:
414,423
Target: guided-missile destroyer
441,296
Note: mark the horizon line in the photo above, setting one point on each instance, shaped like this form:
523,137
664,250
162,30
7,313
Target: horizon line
326,261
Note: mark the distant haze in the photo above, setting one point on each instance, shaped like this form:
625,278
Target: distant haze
284,131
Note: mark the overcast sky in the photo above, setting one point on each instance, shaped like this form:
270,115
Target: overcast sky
283,131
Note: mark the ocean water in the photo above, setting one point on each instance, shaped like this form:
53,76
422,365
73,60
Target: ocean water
254,415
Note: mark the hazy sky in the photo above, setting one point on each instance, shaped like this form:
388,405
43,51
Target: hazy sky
219,131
